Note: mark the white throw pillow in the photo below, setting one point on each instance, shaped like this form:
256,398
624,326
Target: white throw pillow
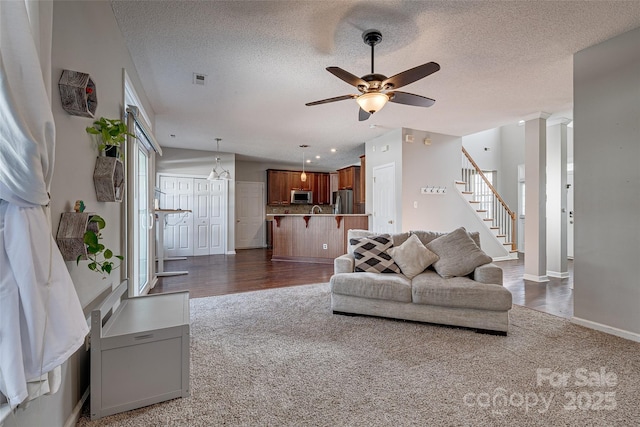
412,256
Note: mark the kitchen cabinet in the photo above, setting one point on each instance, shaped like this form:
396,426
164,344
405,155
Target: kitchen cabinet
295,183
278,187
349,179
321,193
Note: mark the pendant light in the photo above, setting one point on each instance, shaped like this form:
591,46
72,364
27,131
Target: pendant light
303,176
218,172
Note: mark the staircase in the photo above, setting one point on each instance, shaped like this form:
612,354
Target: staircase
481,195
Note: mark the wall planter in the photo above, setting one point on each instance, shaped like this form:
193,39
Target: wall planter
108,179
78,93
70,236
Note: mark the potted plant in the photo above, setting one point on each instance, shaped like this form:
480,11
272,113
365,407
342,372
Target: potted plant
109,135
101,258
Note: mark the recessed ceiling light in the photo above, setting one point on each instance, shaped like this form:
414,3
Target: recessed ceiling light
317,157
308,161
333,150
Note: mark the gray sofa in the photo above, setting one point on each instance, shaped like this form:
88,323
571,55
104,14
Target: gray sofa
477,300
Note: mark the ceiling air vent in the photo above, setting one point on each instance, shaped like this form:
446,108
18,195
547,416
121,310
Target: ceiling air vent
199,79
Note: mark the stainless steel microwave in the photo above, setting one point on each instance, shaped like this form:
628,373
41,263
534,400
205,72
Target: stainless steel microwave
301,197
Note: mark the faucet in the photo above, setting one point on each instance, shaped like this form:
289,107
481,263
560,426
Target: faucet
313,209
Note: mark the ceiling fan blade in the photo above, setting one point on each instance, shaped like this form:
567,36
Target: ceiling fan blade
409,76
363,115
337,98
347,77
410,99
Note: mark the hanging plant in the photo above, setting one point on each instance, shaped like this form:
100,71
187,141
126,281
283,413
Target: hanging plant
101,258
109,134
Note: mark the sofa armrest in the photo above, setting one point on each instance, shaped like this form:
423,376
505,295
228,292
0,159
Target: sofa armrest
343,264
488,273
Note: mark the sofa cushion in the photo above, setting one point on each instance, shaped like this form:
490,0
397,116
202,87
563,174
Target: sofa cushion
459,254
412,257
371,255
461,292
397,239
393,287
427,236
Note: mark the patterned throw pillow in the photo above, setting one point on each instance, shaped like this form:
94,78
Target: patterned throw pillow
371,255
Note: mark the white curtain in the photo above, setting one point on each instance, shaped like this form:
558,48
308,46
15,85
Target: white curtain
41,320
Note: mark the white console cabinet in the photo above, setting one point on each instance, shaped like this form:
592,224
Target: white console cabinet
140,354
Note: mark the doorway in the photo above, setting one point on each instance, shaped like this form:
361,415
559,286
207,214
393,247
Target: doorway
250,215
384,199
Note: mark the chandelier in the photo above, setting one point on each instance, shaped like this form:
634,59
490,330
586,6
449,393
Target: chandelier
218,172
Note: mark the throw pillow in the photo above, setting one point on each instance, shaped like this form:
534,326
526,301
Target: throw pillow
370,254
412,257
459,254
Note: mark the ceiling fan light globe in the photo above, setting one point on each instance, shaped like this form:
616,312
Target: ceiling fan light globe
372,101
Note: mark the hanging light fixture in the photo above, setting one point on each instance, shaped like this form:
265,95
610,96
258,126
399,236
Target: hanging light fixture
218,172
303,176
372,101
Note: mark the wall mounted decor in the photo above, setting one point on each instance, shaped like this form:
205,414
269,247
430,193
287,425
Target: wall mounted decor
78,93
108,179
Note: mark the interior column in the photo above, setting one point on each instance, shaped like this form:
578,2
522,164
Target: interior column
535,227
557,200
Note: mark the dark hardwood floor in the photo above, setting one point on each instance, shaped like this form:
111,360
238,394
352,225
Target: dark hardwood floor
252,269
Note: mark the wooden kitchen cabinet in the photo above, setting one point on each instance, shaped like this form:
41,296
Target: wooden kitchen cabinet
321,193
349,179
278,187
295,183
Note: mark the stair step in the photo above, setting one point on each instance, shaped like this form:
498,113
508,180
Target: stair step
500,235
467,192
488,219
474,201
461,182
508,243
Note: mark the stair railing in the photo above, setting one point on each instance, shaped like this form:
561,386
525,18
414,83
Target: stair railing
500,213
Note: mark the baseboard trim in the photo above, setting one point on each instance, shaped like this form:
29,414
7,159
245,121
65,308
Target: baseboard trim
74,417
533,278
632,336
230,253
558,275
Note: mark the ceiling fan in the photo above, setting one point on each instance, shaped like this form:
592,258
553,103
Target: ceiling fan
376,89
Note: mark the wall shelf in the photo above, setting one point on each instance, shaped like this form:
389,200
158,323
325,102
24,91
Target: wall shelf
78,93
70,235
108,179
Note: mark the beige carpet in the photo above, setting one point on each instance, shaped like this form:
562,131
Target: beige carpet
281,358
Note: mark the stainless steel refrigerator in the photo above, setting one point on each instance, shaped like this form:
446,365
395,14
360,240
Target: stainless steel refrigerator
343,202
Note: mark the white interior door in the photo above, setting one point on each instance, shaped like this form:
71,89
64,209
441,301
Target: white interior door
384,199
201,206
178,228
250,216
217,216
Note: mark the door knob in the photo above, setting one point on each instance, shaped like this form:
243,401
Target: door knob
390,221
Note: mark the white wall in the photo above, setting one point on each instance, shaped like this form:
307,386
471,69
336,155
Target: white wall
198,163
418,165
607,191
85,38
486,150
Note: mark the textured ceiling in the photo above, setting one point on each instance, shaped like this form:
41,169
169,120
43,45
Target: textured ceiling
500,61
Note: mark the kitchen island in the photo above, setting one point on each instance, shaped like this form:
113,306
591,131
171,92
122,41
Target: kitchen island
317,238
